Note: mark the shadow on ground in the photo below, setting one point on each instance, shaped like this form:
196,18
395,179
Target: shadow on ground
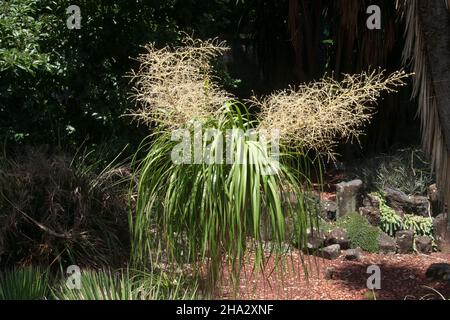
397,282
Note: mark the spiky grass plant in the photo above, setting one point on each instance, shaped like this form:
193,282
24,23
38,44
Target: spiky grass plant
405,169
206,213
124,285
24,284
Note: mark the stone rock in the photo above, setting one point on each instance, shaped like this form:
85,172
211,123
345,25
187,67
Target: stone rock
316,239
353,254
328,210
433,197
438,271
440,230
372,214
387,244
402,203
329,273
424,244
338,236
331,252
291,198
349,198
404,240
371,201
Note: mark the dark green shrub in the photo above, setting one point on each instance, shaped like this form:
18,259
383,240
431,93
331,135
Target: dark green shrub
62,86
59,85
53,210
360,232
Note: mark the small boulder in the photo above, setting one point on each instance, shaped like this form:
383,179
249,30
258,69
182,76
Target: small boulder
372,214
404,240
433,197
353,254
316,239
338,236
348,195
402,203
329,273
438,271
371,201
387,244
440,230
331,252
424,244
328,210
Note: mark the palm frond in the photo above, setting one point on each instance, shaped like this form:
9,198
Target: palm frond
433,140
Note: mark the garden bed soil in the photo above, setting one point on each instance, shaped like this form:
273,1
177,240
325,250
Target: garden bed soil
402,277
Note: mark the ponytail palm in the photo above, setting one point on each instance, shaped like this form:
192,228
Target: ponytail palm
207,213
210,211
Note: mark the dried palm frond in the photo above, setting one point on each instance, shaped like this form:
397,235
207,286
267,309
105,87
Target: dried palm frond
175,85
432,132
317,116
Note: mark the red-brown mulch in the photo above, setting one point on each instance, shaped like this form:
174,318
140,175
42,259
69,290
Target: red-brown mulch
402,277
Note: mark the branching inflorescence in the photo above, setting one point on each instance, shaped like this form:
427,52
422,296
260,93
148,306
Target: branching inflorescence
175,86
318,115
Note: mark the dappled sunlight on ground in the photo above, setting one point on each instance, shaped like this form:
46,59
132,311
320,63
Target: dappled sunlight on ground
402,277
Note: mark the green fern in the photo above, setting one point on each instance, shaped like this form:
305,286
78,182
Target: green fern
391,222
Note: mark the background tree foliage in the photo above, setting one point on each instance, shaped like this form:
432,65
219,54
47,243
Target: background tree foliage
63,87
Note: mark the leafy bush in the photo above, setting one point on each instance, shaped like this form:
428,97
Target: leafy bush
24,284
64,86
360,232
21,34
53,209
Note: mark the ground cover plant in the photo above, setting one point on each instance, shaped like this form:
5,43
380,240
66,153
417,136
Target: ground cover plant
360,233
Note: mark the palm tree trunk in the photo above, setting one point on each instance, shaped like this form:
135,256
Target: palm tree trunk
428,44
